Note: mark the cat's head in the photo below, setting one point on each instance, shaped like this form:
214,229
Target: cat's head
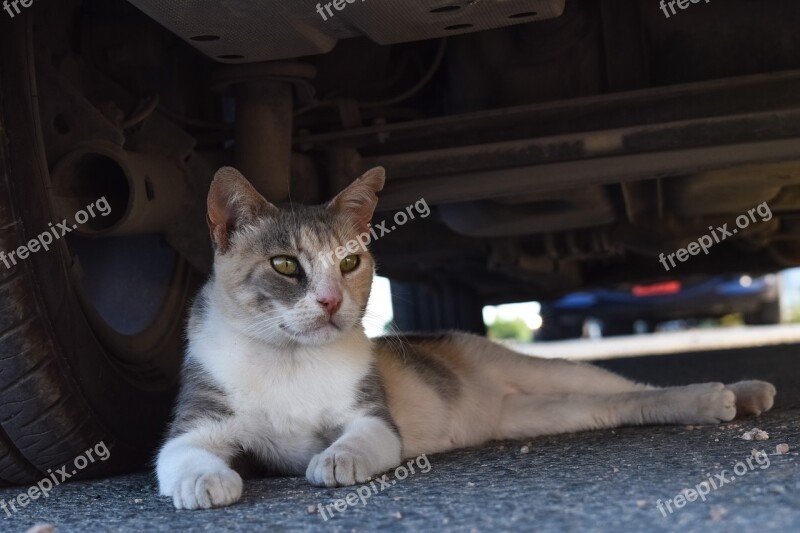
277,272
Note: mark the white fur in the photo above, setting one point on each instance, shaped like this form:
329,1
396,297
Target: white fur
194,476
366,448
280,398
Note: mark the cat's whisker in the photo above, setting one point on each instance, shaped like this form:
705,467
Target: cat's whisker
259,326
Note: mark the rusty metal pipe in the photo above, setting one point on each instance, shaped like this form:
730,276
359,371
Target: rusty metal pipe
264,136
141,189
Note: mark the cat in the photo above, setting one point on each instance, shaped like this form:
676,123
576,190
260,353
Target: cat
278,365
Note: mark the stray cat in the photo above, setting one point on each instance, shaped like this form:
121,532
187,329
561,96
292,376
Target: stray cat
279,368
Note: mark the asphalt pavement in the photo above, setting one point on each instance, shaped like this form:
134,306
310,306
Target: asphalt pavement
608,480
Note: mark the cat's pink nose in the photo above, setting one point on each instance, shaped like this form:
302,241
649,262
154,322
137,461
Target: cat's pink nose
331,304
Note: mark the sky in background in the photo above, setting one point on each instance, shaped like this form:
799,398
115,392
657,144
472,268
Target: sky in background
528,312
790,288
379,308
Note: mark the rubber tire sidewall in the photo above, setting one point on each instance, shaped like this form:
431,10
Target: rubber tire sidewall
61,393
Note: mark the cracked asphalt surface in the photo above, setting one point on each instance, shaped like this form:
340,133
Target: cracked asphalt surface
594,481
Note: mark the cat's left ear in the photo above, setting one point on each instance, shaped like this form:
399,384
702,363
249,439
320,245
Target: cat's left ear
359,200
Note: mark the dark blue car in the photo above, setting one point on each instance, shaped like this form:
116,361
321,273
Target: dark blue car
757,299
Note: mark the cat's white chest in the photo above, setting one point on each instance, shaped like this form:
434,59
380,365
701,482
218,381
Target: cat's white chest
296,394
285,401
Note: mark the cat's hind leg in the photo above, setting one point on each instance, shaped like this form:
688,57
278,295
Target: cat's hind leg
533,375
753,397
530,415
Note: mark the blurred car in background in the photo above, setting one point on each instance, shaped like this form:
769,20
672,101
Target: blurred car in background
621,310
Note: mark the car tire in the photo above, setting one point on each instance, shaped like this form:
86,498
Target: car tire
617,328
62,390
768,314
557,328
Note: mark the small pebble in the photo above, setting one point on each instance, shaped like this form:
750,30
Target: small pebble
776,489
782,448
312,509
42,528
397,515
137,500
717,513
641,504
755,434
524,449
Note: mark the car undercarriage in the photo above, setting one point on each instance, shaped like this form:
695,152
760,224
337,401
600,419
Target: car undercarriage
561,153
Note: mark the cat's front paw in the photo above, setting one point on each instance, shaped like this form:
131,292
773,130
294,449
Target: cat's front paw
712,403
207,489
339,467
753,397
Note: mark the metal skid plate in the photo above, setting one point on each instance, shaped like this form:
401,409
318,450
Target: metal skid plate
245,31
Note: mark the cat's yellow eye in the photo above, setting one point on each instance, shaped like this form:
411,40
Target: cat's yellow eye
349,263
285,265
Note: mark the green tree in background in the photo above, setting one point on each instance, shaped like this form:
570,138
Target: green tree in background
515,330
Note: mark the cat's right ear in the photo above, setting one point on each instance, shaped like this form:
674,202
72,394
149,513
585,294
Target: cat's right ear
232,203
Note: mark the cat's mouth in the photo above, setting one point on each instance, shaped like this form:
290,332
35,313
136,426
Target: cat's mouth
329,324
322,329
